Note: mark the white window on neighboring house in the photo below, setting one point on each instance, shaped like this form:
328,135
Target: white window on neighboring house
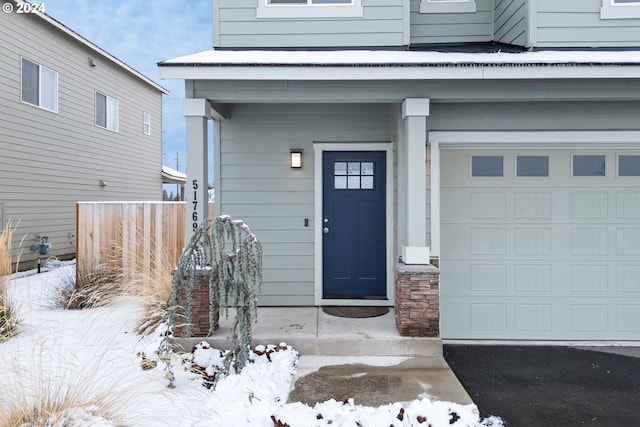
107,112
620,9
146,123
39,86
310,9
447,6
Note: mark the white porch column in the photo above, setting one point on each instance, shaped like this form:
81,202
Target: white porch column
414,118
197,113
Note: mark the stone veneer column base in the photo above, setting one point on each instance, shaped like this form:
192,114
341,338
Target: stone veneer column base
417,303
199,309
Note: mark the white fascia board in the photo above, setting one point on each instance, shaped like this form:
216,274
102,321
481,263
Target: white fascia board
391,72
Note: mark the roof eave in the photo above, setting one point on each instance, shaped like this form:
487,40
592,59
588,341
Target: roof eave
66,30
445,71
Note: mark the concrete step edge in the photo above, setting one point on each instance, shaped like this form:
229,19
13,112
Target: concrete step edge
396,346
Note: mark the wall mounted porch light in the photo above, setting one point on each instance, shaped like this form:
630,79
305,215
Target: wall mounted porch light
296,157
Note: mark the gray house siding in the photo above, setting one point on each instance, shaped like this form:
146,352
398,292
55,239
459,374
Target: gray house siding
237,26
436,28
258,185
555,116
570,23
52,160
510,22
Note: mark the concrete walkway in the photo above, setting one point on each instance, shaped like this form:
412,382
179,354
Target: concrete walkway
340,358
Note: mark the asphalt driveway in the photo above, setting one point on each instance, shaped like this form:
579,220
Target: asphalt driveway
550,386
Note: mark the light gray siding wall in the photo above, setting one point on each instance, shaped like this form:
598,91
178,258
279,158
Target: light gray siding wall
236,26
510,22
435,28
51,160
571,23
258,185
535,116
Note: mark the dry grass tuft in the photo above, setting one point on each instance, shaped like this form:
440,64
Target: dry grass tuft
58,390
95,287
101,284
8,315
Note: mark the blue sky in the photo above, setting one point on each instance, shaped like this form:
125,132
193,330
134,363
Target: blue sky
141,34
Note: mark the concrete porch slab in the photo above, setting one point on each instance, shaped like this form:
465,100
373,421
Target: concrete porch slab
366,358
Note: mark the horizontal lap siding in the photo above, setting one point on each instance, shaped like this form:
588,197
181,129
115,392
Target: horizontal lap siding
435,28
572,23
52,160
258,185
236,26
510,22
535,116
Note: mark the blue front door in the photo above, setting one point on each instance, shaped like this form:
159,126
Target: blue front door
354,225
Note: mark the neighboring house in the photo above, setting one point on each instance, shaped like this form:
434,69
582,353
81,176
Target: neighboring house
498,138
76,124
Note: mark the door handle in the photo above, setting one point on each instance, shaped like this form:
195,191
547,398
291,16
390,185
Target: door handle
325,230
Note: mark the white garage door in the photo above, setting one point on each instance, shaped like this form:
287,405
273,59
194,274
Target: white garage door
540,244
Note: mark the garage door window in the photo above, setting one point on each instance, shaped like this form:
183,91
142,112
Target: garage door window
629,165
486,166
532,165
589,165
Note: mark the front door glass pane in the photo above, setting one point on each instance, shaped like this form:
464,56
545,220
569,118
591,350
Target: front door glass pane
353,175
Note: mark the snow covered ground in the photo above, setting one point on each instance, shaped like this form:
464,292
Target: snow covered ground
92,361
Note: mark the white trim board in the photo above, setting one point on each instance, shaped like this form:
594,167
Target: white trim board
318,148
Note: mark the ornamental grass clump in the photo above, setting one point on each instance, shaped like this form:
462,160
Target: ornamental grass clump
8,314
98,285
231,255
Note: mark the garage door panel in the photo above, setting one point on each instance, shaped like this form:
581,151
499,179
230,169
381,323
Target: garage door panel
532,241
628,204
533,317
589,278
589,205
551,258
628,241
532,277
539,319
628,279
488,205
589,241
532,205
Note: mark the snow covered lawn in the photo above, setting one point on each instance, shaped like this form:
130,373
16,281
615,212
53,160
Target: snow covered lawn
90,368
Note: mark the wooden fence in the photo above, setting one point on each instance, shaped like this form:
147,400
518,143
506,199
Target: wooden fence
132,237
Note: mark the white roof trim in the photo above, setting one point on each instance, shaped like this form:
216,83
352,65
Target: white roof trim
68,31
173,175
399,65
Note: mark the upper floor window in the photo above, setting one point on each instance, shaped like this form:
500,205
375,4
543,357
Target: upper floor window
39,86
620,9
447,6
309,9
107,112
146,123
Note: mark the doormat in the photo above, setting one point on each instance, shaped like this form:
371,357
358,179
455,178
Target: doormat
355,312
